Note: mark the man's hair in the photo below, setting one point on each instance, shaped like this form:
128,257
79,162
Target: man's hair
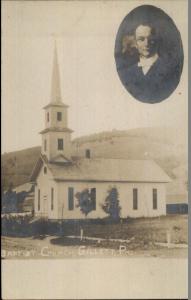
148,24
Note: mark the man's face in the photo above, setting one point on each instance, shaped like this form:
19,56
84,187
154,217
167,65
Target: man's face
146,41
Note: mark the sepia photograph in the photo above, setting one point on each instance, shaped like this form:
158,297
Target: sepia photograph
94,149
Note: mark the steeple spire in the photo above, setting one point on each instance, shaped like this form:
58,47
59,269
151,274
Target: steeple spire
55,84
56,137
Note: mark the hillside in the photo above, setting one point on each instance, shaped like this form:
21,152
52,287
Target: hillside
17,166
165,145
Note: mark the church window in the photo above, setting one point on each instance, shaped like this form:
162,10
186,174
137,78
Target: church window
38,199
59,116
70,198
135,199
93,198
52,198
154,198
88,153
48,117
60,144
45,145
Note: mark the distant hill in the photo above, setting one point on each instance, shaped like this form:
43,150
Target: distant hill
17,166
165,145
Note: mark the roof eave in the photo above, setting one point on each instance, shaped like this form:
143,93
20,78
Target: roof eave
107,180
36,169
52,129
42,159
56,104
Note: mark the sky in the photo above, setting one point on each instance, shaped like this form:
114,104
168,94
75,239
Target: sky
85,36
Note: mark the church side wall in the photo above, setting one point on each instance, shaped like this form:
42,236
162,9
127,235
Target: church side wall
145,199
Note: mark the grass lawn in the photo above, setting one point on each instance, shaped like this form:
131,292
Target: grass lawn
141,229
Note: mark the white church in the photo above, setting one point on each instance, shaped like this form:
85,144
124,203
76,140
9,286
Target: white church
58,176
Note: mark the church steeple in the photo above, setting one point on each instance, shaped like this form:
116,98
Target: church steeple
56,137
55,84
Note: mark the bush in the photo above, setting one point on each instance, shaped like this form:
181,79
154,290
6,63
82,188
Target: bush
111,205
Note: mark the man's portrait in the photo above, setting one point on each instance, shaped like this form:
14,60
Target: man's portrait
149,54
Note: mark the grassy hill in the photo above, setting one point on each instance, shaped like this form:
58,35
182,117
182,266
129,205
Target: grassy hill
165,145
17,166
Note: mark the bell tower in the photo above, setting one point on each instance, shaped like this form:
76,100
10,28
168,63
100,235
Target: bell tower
56,137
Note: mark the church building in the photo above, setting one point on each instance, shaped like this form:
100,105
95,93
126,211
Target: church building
59,177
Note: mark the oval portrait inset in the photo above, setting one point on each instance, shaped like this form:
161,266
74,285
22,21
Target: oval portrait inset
149,54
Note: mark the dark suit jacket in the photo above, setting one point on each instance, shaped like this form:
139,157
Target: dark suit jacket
158,83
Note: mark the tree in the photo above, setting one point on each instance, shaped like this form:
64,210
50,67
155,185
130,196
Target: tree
85,201
111,205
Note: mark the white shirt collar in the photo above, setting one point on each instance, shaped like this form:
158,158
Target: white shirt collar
146,63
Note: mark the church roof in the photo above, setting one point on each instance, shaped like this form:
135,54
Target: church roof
26,187
57,104
114,170
56,129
